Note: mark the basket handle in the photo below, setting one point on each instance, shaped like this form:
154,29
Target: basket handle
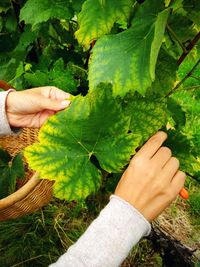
5,86
20,193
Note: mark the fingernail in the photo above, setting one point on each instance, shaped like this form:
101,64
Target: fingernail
67,95
65,103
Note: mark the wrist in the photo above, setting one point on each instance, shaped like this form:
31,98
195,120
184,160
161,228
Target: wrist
9,107
141,219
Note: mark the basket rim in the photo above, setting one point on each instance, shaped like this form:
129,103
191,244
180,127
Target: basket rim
21,192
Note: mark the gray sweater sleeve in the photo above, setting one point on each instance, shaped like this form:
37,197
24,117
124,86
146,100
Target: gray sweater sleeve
109,238
5,128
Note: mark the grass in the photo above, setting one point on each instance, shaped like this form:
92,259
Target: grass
40,238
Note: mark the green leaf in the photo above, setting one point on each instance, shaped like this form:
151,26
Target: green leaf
8,70
92,127
10,169
182,149
98,17
25,43
189,101
147,114
4,158
35,12
11,22
77,5
192,8
176,112
166,74
58,76
1,24
61,77
175,4
5,5
19,72
182,26
9,64
38,78
128,59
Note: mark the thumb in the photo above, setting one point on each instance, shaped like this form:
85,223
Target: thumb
53,104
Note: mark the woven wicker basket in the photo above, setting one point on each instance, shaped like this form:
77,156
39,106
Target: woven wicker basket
32,193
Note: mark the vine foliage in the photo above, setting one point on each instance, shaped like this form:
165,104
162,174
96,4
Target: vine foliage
132,69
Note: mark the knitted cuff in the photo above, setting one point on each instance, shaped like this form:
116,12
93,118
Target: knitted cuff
134,211
5,128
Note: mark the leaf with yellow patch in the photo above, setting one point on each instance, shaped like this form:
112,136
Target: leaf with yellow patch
75,143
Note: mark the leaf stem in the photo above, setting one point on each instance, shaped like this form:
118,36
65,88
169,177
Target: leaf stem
197,78
183,80
192,176
190,88
189,48
176,38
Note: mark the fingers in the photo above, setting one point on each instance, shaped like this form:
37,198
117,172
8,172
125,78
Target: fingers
177,183
51,92
161,157
44,116
52,104
170,168
152,145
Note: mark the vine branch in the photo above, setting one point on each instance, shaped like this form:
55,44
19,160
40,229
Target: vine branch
185,78
197,78
188,48
190,88
192,176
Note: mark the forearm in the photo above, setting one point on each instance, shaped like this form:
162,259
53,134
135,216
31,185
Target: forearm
5,128
109,239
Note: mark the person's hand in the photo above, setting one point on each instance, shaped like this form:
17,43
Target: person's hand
152,180
31,108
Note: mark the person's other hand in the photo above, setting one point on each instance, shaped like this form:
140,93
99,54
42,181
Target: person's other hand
31,108
152,180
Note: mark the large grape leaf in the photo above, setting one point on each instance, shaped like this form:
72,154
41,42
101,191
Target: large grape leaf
92,127
35,12
97,18
147,114
10,170
128,59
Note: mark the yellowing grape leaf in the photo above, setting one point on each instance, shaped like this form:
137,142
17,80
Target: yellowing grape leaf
148,114
92,128
128,59
98,17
